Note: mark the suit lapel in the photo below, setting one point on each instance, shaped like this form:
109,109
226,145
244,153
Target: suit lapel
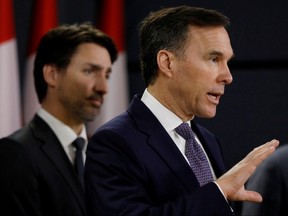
162,143
212,148
52,148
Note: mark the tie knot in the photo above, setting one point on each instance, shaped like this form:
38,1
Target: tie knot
79,143
185,131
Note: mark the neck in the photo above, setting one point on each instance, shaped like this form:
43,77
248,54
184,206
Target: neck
65,117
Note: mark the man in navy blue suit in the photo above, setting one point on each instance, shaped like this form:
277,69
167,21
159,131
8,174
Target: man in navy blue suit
136,163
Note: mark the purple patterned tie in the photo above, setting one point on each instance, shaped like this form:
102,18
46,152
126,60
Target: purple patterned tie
195,155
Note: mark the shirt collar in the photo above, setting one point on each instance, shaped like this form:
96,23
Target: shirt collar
167,118
64,133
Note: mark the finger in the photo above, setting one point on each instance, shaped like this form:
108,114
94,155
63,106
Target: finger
255,157
273,143
253,196
263,151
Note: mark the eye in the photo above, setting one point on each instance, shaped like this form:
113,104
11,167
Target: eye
88,71
108,75
215,59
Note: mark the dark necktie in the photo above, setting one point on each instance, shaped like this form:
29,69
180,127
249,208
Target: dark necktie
79,163
195,155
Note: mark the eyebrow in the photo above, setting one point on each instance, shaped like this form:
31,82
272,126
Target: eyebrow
99,67
218,53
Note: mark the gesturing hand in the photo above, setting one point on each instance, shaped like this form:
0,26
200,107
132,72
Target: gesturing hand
232,182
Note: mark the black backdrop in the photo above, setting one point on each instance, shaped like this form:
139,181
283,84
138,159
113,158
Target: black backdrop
254,108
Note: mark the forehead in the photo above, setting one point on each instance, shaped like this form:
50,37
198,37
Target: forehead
92,52
89,47
209,39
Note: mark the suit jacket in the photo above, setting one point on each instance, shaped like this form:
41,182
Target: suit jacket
37,177
271,181
134,168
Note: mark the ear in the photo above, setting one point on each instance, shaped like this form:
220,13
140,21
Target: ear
164,60
50,74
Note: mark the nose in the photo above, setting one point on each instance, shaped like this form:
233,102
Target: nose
225,75
101,84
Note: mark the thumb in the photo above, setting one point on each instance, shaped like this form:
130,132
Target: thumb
253,196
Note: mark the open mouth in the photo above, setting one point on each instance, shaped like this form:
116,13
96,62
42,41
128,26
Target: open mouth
215,97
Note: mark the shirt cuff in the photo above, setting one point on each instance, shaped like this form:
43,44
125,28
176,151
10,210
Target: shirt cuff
224,196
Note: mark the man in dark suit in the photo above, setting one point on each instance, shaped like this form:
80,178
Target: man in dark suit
40,166
271,180
142,162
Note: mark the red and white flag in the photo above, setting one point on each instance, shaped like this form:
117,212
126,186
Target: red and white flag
45,17
116,101
10,113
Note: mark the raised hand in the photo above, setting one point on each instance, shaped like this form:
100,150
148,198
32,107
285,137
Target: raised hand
232,182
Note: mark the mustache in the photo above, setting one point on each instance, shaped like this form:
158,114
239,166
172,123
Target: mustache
97,96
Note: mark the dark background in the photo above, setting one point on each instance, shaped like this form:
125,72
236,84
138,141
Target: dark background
254,108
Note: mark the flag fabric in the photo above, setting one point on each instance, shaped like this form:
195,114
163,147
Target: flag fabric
10,114
116,100
45,17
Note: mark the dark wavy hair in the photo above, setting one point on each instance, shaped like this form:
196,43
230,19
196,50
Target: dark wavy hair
59,45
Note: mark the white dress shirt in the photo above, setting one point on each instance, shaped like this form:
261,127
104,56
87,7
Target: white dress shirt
64,133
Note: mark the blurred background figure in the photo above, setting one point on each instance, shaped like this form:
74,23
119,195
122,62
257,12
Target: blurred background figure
42,164
270,180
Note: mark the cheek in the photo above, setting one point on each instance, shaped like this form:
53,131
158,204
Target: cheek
195,92
75,90
83,88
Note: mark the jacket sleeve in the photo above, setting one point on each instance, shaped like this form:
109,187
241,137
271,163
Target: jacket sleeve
18,194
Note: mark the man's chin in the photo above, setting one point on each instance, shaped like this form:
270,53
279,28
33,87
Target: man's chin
91,116
207,115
